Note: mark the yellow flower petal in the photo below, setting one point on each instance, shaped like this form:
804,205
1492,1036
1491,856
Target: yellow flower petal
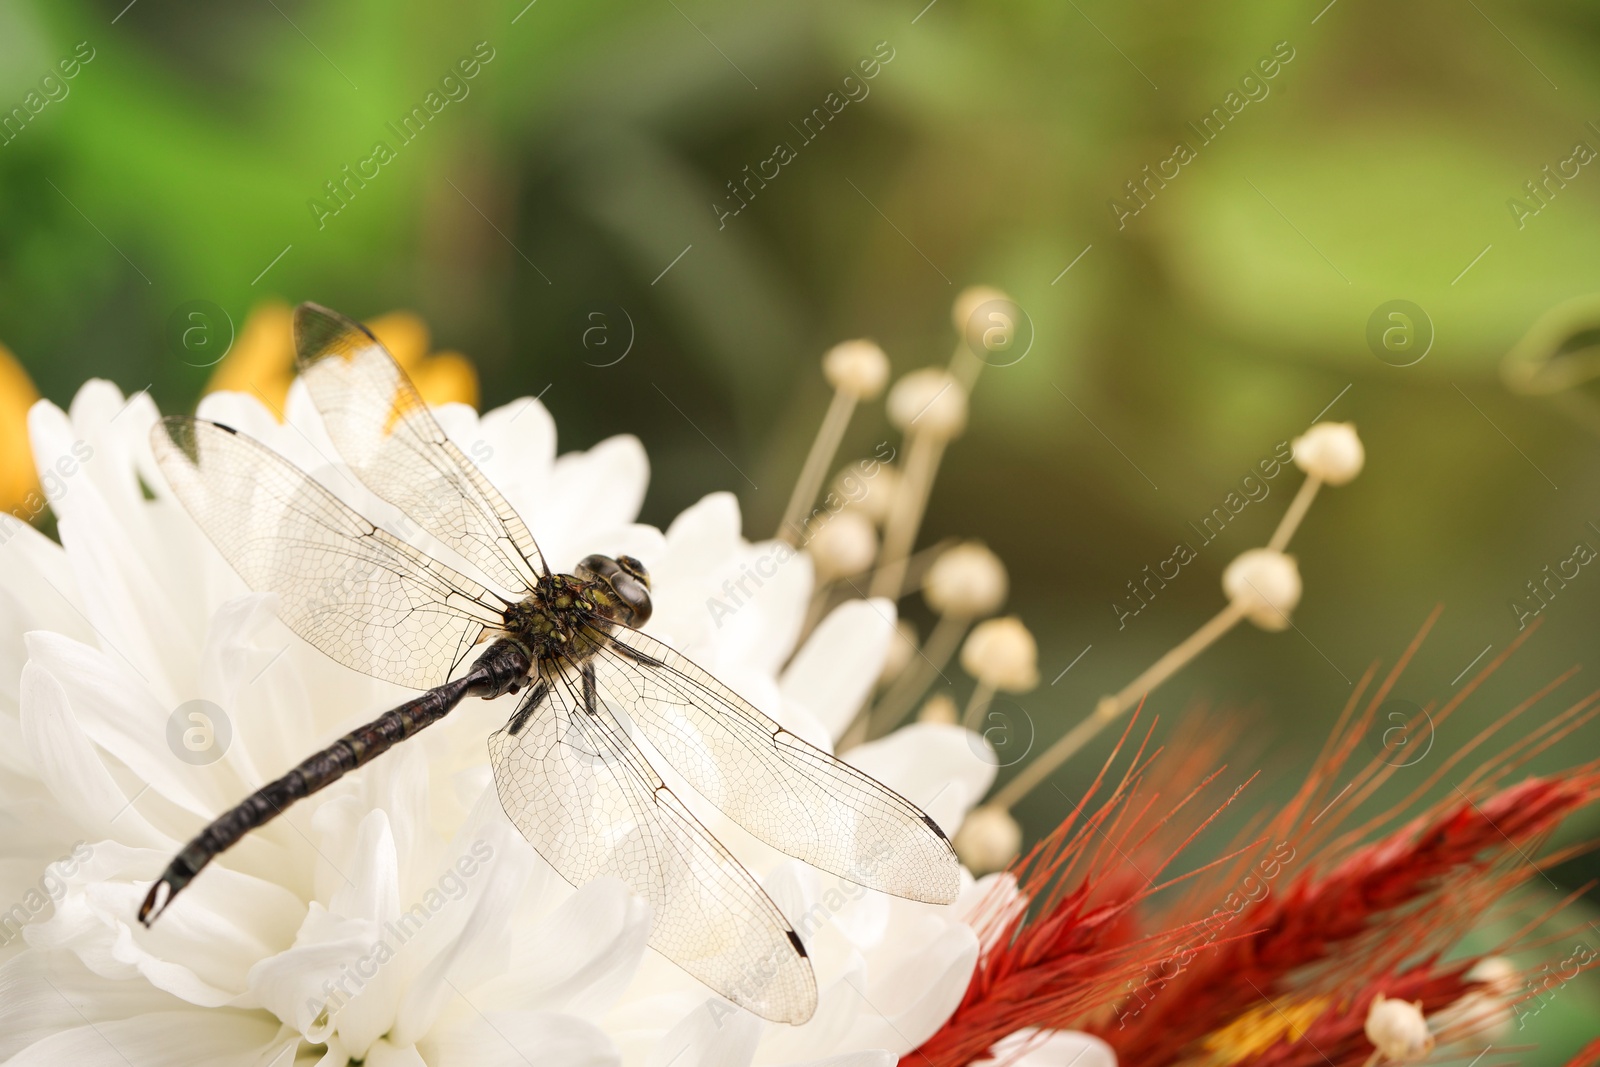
404,334
18,478
447,378
1259,1029
261,361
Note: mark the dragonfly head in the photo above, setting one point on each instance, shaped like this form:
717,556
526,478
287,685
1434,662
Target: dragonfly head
626,580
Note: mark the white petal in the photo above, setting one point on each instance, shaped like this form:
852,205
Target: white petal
219,1038
870,1058
838,1007
831,676
910,1002
70,767
35,571
588,950
202,948
484,915
106,530
944,770
1052,1048
301,982
43,993
243,411
118,714
716,1034
519,1038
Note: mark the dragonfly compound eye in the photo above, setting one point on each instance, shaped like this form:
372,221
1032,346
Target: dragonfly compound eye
628,580
634,568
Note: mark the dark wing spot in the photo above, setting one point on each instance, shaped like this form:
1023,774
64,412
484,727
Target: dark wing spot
225,428
794,939
929,820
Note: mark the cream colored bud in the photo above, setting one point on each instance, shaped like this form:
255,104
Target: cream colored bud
1266,584
1330,451
988,840
873,495
939,709
1398,1030
1003,654
856,367
969,300
1498,973
967,581
843,545
902,646
928,401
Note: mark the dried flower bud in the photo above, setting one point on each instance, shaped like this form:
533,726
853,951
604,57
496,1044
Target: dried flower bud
1002,653
1398,1030
873,495
902,646
1266,583
1330,451
969,300
929,401
843,545
939,709
988,840
1498,973
967,581
856,367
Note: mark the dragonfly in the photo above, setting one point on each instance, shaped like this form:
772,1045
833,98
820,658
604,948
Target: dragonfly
571,766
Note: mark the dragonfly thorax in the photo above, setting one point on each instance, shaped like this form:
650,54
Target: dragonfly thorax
554,620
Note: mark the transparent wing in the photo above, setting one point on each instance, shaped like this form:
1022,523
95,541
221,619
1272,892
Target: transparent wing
575,783
365,598
791,794
392,442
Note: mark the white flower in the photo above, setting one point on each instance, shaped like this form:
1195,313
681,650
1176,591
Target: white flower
1330,451
843,545
858,368
1003,654
1051,1048
988,840
1265,583
929,401
968,302
967,580
395,917
1398,1030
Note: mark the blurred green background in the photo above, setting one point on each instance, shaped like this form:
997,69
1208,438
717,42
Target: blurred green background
1215,323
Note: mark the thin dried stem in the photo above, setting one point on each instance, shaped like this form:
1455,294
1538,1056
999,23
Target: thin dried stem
923,452
1297,511
1112,706
823,449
